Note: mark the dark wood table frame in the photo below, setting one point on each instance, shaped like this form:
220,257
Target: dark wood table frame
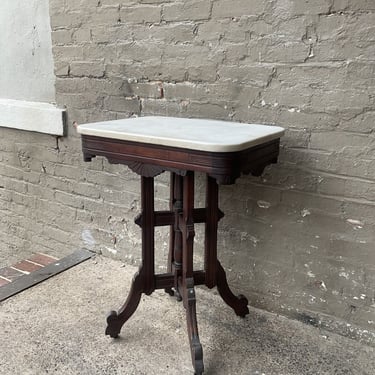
149,160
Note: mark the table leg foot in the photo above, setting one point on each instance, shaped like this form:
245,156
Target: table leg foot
113,328
191,318
178,297
173,292
237,303
116,320
197,355
170,291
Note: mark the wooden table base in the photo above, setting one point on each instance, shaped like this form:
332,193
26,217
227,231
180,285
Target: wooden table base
152,145
180,278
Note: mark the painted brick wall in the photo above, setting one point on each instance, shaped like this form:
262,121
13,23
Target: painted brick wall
300,240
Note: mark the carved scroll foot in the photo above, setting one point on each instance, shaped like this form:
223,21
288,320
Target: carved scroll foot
177,295
237,303
170,291
191,318
197,356
174,293
116,320
114,325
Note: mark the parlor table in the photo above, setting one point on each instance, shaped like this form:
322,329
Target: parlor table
151,145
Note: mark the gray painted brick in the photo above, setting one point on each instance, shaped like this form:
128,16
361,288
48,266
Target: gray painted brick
64,20
167,33
190,10
347,5
122,104
139,51
154,1
108,16
144,90
141,14
61,69
257,75
87,69
82,35
68,52
62,36
237,8
336,141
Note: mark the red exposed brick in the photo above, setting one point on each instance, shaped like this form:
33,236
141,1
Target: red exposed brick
10,273
3,281
26,266
42,259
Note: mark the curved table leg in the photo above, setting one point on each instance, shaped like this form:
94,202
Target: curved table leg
192,325
237,303
187,287
116,320
144,279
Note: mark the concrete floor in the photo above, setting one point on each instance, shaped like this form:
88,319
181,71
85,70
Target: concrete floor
57,327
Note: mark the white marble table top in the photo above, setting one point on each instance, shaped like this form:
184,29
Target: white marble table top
195,134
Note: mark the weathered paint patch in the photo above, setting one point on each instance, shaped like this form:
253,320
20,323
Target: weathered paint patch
88,239
263,204
305,212
111,250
